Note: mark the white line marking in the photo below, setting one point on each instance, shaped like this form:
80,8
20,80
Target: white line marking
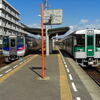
74,87
66,66
1,75
70,77
68,70
65,63
15,66
8,70
78,98
20,62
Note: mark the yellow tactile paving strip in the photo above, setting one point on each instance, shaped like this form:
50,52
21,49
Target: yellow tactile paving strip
64,85
2,79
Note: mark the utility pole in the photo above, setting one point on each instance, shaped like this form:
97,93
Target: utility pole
45,4
42,36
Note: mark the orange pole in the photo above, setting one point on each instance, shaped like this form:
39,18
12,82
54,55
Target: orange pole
42,36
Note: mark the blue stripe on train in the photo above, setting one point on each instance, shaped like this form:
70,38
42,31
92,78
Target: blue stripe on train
18,47
6,49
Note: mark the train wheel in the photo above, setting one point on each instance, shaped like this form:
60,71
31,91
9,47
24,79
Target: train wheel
7,60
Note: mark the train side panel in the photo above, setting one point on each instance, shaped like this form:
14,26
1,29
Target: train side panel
69,45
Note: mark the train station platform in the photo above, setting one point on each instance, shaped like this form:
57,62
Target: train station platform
23,81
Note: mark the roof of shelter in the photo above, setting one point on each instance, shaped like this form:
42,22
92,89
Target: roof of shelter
52,32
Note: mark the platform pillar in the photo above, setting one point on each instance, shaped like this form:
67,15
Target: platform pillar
47,41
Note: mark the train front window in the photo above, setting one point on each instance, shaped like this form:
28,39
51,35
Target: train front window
98,40
6,42
80,40
90,40
20,40
12,42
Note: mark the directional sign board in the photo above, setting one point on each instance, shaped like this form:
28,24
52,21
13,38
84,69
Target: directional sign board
53,17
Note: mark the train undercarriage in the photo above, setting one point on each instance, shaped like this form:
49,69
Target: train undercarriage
88,61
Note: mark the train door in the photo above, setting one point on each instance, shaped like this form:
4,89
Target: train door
90,45
12,45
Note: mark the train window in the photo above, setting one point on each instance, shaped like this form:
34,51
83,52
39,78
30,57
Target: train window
80,40
98,40
34,43
20,40
6,42
75,43
12,42
90,40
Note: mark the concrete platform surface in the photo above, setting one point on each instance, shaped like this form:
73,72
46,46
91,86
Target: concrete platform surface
25,83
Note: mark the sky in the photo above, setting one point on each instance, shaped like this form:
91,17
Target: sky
76,12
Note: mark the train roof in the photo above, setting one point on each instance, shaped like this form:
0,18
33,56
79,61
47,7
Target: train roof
83,31
95,31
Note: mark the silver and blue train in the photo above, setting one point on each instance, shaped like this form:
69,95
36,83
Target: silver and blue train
15,47
84,46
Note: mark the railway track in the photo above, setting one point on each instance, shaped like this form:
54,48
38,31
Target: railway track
2,63
94,73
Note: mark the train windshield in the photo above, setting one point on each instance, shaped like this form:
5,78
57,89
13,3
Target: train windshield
6,42
13,43
80,40
90,40
20,40
98,40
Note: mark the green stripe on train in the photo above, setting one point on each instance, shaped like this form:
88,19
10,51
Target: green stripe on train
79,49
90,45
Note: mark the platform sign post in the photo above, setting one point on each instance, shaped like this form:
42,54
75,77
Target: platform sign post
42,37
51,17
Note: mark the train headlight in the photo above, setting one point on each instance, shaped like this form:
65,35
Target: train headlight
98,49
90,50
81,50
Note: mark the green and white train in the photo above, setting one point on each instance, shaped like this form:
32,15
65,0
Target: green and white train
84,46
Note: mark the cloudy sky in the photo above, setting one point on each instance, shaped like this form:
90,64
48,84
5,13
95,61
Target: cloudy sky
76,12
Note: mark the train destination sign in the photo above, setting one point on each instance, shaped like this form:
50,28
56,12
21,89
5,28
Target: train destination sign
53,17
